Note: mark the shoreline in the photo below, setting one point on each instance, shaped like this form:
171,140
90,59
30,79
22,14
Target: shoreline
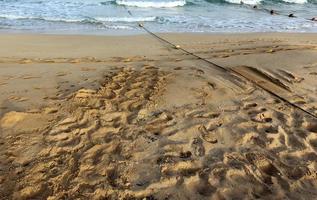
124,33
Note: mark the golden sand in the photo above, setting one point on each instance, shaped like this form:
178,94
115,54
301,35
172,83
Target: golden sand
129,118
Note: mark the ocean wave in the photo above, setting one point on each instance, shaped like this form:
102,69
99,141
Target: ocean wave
91,20
50,19
125,19
19,17
9,16
296,1
253,2
153,4
94,21
86,20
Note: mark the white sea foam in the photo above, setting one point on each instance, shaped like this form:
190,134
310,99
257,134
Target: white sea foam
118,27
50,19
62,20
125,19
92,20
9,16
153,4
296,1
251,2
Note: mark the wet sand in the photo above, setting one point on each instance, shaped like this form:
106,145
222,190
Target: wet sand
129,117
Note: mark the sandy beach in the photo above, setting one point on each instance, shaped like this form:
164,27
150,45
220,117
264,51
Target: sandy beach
129,117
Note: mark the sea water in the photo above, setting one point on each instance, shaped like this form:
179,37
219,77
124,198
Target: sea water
122,16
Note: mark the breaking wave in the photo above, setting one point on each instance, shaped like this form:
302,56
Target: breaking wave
152,3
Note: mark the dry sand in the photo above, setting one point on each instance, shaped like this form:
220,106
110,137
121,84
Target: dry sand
92,117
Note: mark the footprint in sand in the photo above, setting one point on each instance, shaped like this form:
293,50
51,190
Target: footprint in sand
312,138
18,99
87,69
197,147
208,136
263,117
248,106
61,74
252,138
313,73
311,126
12,118
26,61
212,85
75,61
37,88
178,68
209,115
185,155
264,164
29,77
48,61
199,71
270,129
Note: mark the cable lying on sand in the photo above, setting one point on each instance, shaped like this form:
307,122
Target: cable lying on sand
224,69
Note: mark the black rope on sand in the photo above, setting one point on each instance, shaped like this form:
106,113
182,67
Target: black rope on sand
224,69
